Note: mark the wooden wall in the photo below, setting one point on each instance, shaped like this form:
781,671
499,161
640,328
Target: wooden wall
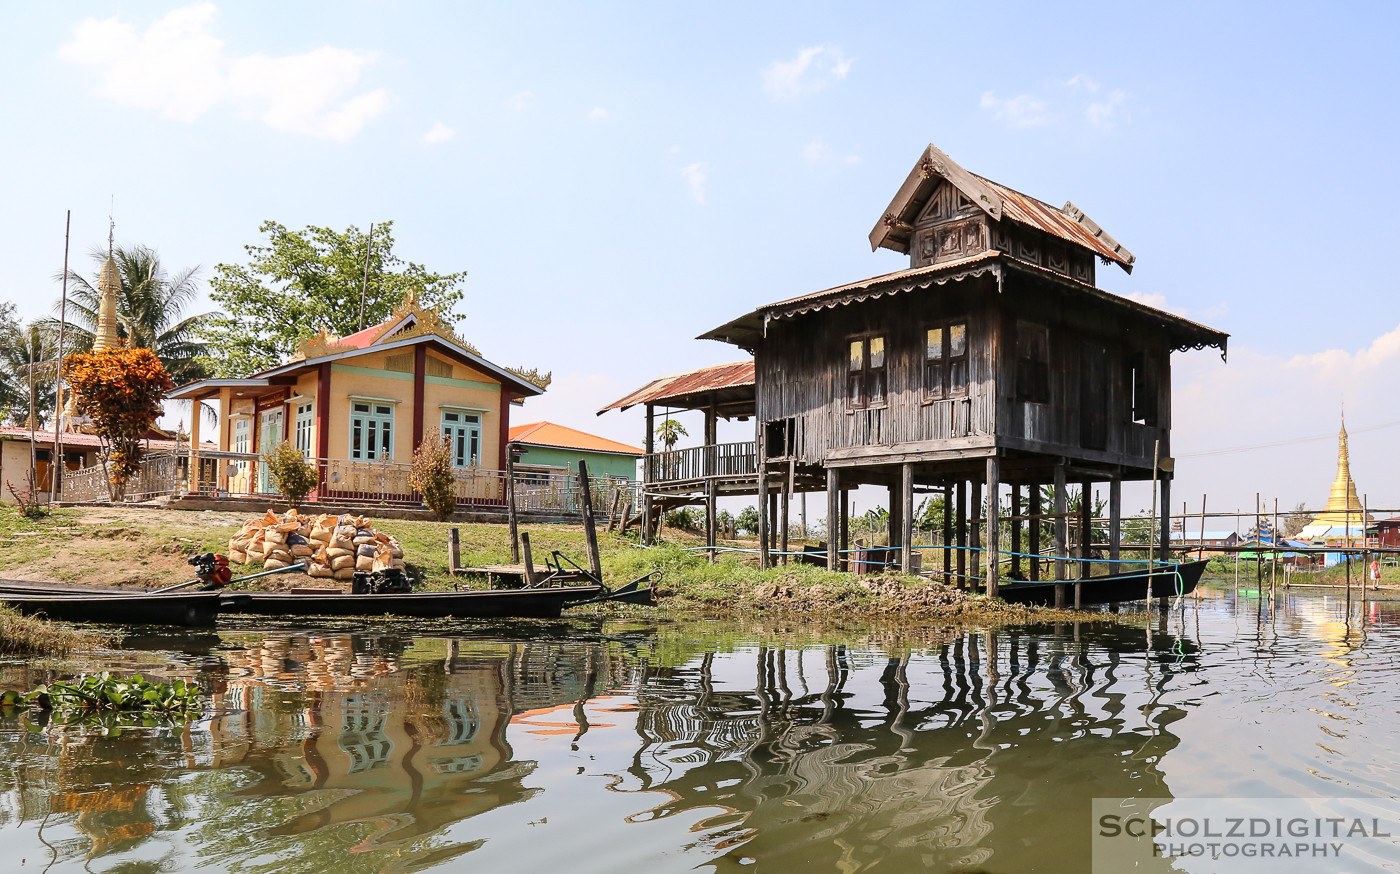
802,371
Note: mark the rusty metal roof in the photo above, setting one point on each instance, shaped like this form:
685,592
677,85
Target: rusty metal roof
680,388
1069,223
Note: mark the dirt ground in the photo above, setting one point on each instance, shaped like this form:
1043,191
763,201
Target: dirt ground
112,546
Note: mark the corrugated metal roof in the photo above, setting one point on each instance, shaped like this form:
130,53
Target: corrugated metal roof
1042,216
692,382
79,439
564,437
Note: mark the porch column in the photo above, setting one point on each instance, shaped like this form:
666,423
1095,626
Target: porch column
993,525
906,518
194,444
420,373
323,426
833,510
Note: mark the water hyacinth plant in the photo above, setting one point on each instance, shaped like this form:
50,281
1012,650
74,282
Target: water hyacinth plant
98,699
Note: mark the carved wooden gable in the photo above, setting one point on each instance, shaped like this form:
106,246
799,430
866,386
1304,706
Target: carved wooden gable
950,227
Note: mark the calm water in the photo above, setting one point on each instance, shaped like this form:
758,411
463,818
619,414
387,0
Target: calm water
704,746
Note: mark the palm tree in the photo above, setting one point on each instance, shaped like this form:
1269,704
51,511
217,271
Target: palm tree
26,358
150,311
670,431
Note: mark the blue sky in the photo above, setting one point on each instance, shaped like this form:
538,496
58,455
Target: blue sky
618,178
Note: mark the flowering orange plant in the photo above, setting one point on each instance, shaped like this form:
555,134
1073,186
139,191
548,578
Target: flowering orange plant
121,391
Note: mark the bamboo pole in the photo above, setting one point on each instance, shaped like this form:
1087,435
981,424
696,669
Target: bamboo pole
57,479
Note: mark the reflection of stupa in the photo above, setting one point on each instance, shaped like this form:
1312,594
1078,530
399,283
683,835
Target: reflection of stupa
1343,506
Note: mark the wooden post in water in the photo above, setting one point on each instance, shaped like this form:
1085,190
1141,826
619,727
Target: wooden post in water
993,525
974,509
1115,521
833,515
1201,552
510,507
529,558
845,544
1035,524
1016,532
590,531
1273,568
1366,555
1061,532
960,530
906,518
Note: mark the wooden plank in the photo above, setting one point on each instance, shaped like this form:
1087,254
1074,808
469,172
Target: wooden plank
529,559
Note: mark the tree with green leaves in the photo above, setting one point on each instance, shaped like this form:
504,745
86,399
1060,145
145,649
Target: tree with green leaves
669,432
747,520
298,282
26,360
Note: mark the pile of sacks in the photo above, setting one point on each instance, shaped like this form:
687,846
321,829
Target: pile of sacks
334,547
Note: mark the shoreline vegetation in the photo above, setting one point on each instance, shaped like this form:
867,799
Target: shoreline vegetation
29,635
147,547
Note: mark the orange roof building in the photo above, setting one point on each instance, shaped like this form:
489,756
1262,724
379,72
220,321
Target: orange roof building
548,445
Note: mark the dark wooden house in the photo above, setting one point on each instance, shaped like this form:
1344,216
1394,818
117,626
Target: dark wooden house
993,361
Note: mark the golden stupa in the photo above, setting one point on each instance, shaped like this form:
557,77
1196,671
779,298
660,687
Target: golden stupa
109,285
1343,506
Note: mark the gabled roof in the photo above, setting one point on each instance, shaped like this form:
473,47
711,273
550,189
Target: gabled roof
1069,223
563,437
726,384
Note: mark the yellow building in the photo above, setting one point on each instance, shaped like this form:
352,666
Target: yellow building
359,406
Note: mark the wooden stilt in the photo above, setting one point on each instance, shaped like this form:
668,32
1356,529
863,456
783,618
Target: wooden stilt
649,476
1115,521
1059,528
974,554
784,518
833,519
1086,508
947,534
906,532
993,526
844,548
711,516
1035,531
529,558
960,530
454,550
1016,533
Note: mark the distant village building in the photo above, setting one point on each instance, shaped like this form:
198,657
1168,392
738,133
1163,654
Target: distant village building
992,361
1211,540
1344,518
545,447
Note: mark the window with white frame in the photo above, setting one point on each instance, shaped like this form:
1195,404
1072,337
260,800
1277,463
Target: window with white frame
462,431
305,428
242,441
371,431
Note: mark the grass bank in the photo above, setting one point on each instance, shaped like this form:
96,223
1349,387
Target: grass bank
147,547
26,635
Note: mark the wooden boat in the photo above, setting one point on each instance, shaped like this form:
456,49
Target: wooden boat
176,608
537,603
1166,582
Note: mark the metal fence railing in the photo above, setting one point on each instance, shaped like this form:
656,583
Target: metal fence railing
340,481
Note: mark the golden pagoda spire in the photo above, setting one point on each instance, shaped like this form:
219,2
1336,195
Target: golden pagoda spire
1343,505
109,285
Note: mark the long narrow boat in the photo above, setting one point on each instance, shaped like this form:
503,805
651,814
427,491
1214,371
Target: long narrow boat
176,608
1166,582
540,603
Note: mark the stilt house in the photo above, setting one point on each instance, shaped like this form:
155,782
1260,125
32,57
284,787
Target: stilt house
992,360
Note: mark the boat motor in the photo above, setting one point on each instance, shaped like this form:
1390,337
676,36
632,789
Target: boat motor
212,569
390,581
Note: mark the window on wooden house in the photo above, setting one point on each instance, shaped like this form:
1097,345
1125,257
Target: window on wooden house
865,373
1032,363
781,438
945,360
1143,408
242,442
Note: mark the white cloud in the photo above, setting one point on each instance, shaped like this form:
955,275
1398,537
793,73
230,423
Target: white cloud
1109,112
812,70
1339,367
440,133
694,176
180,69
1156,301
521,102
1023,110
1058,102
815,152
598,113
852,159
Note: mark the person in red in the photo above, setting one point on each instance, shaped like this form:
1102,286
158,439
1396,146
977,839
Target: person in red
1375,572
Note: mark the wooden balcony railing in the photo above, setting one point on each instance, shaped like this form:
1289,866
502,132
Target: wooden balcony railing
719,460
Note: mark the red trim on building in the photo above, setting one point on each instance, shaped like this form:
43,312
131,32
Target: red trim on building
506,398
420,376
323,423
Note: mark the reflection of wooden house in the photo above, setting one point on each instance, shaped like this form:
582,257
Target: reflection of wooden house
993,360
